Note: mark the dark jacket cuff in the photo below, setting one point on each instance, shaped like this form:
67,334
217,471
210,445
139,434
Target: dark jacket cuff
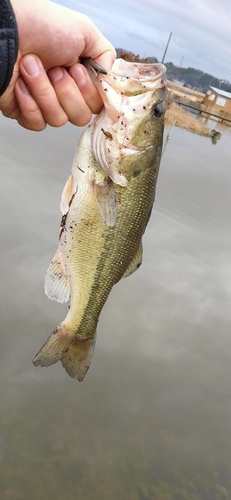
8,43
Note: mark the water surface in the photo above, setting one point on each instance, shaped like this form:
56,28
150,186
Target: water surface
152,419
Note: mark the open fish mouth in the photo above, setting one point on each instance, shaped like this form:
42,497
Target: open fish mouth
138,77
139,71
127,91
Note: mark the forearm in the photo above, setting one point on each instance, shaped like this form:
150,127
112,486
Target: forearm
8,43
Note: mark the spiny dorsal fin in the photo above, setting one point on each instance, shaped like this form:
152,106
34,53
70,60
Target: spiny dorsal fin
135,262
57,286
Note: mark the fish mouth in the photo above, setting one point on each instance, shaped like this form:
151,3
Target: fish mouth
139,71
139,77
128,92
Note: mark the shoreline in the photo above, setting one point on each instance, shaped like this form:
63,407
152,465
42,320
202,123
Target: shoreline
182,119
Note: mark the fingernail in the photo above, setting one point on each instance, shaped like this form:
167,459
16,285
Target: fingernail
79,75
55,74
31,65
21,84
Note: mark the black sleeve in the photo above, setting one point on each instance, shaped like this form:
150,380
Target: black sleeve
8,43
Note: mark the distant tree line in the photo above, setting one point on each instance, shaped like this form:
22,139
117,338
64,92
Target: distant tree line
195,78
129,56
189,77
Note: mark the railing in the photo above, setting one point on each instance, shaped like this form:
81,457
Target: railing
208,110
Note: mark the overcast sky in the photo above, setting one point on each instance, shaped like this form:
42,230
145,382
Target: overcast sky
201,34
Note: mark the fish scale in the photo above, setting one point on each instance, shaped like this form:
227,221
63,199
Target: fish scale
106,205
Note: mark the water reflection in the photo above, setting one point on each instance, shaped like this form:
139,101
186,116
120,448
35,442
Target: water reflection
212,123
152,418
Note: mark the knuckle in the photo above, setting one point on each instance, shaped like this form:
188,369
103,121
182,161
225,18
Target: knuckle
13,114
58,122
80,120
64,90
42,92
9,107
32,120
32,125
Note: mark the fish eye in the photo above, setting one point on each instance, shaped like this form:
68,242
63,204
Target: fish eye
158,110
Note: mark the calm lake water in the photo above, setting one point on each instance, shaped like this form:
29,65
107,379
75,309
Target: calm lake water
152,419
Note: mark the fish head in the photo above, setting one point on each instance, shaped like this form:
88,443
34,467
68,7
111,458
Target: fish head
132,120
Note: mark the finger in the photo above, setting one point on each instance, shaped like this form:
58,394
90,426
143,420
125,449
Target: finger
95,44
29,114
70,96
106,59
87,88
8,105
8,102
42,91
98,47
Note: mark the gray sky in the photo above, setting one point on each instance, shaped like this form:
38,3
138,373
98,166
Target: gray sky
201,29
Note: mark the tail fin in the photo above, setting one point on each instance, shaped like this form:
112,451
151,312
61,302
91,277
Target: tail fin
75,354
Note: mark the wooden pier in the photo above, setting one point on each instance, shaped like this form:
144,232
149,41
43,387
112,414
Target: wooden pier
202,109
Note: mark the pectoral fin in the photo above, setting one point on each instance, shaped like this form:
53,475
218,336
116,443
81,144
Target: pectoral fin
135,262
57,286
106,200
68,191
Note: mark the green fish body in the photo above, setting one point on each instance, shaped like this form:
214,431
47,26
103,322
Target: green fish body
106,205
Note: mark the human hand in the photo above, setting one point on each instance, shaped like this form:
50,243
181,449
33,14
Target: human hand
49,85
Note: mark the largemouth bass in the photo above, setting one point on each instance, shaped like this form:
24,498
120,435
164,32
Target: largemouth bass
106,205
